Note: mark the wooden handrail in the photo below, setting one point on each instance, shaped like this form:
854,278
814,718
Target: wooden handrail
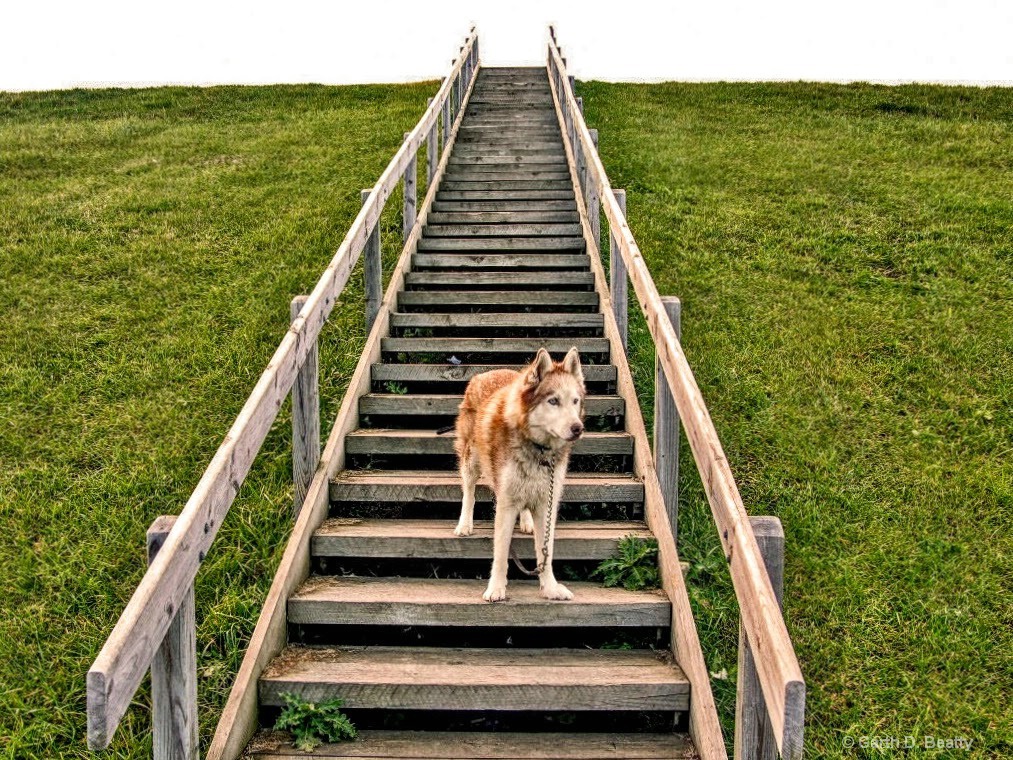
127,654
777,666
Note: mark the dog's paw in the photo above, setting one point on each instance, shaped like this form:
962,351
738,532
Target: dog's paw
464,528
527,524
495,593
557,591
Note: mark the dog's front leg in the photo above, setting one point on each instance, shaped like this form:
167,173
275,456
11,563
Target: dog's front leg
550,587
506,517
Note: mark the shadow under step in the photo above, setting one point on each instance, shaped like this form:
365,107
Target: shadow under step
431,678
338,600
442,405
496,300
480,350
388,442
449,378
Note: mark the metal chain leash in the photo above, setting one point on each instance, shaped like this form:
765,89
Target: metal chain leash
550,465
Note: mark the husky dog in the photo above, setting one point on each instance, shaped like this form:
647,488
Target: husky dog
517,428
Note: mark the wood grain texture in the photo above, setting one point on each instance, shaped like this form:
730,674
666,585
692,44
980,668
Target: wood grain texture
174,672
500,260
410,678
380,441
529,279
526,346
704,726
517,299
372,270
462,373
305,420
617,279
336,600
410,485
507,243
666,427
238,720
780,675
411,195
434,539
447,404
520,320
474,745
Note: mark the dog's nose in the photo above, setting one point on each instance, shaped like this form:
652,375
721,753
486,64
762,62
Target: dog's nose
576,429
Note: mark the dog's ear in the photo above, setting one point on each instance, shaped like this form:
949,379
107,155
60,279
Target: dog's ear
572,364
540,367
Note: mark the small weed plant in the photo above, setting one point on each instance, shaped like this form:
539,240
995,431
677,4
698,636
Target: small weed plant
634,566
312,724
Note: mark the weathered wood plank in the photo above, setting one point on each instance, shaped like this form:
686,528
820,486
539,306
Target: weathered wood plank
411,195
434,539
503,217
451,185
305,420
563,320
477,679
505,195
372,270
408,485
780,675
525,346
336,600
558,243
383,441
521,299
505,205
617,278
174,671
469,745
506,260
462,373
666,428
424,404
500,230
553,281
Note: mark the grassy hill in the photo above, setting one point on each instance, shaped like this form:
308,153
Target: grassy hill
845,259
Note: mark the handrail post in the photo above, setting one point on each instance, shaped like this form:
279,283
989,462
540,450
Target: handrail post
666,426
446,124
754,735
411,196
593,200
372,269
617,276
174,670
431,156
305,419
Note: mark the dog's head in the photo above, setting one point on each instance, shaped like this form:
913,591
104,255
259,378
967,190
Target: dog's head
553,398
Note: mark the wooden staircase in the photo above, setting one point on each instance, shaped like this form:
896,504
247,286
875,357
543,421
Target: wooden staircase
391,618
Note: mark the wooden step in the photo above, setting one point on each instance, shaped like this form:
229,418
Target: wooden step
503,217
444,405
503,230
540,160
477,745
434,678
435,486
506,174
341,600
506,261
526,347
504,205
498,321
506,195
554,281
451,185
469,149
435,539
458,375
390,442
437,300
552,243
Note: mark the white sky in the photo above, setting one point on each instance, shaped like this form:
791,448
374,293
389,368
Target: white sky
47,44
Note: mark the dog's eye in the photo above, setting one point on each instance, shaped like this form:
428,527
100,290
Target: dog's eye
554,401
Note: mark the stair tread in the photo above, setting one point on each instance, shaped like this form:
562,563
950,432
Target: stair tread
350,600
463,372
478,679
481,745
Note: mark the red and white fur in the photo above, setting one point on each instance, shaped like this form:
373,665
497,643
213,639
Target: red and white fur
509,424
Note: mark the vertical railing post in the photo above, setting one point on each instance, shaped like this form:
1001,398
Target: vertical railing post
432,158
372,268
174,671
305,419
666,426
446,124
617,276
411,195
754,735
593,200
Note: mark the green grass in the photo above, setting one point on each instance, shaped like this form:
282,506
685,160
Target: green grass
844,255
844,259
